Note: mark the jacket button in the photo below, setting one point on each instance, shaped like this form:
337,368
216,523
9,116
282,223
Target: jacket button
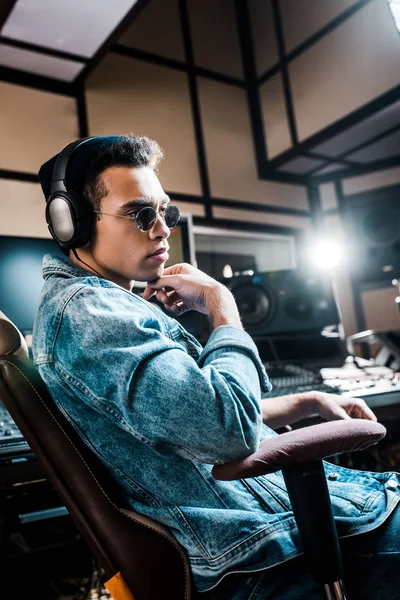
333,476
392,484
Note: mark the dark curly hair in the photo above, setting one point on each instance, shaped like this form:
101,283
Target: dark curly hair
127,151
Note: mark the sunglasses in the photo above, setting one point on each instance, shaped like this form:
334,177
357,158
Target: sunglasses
146,216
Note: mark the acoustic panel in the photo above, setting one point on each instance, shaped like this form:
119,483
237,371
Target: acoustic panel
276,125
73,26
128,95
351,137
249,216
330,168
157,29
328,196
197,210
34,126
380,308
22,209
333,77
40,64
263,35
302,18
370,181
230,150
384,148
215,36
302,165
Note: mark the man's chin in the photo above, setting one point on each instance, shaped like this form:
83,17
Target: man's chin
150,274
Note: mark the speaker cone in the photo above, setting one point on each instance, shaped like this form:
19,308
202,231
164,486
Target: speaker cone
298,307
254,303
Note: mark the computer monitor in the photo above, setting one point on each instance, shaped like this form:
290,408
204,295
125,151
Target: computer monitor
21,277
181,242
21,269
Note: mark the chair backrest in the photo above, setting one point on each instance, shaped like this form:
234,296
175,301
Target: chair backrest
132,550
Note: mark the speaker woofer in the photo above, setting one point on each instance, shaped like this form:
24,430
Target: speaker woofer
298,307
254,302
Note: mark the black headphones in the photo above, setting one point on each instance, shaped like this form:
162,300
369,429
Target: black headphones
69,218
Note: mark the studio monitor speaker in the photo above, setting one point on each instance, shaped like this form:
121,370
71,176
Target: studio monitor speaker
374,240
288,301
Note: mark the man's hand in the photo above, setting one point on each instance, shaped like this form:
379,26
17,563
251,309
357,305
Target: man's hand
332,406
182,287
286,410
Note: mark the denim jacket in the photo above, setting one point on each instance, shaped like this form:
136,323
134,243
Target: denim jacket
159,410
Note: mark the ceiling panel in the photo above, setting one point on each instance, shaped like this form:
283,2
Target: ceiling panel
330,169
387,146
40,64
353,65
75,26
362,132
301,165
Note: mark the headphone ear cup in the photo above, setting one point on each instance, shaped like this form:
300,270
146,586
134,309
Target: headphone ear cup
70,219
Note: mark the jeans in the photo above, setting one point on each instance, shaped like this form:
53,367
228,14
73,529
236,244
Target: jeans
371,564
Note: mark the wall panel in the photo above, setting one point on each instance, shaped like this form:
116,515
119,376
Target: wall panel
157,29
34,126
276,126
128,95
248,216
263,35
197,210
328,196
380,309
302,18
349,67
370,181
215,36
22,209
230,150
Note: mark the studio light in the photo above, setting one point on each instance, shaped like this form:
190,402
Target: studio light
327,254
394,6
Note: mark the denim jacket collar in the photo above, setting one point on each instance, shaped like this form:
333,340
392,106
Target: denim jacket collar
61,265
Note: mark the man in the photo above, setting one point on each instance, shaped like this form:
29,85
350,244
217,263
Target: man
157,408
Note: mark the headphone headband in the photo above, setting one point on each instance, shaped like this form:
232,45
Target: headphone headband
58,180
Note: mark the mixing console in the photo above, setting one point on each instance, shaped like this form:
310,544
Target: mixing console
379,386
11,439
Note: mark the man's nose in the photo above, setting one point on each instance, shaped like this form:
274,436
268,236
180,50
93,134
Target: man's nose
159,229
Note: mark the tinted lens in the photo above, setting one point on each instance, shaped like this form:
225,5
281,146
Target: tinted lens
172,216
145,218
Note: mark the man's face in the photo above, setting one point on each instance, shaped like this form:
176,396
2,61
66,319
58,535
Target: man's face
123,252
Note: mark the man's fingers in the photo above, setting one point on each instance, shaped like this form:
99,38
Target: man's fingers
366,412
179,268
167,281
162,296
148,292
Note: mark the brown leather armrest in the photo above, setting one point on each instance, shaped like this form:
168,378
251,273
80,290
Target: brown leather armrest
303,445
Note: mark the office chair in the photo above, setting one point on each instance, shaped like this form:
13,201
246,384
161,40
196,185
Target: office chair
140,558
